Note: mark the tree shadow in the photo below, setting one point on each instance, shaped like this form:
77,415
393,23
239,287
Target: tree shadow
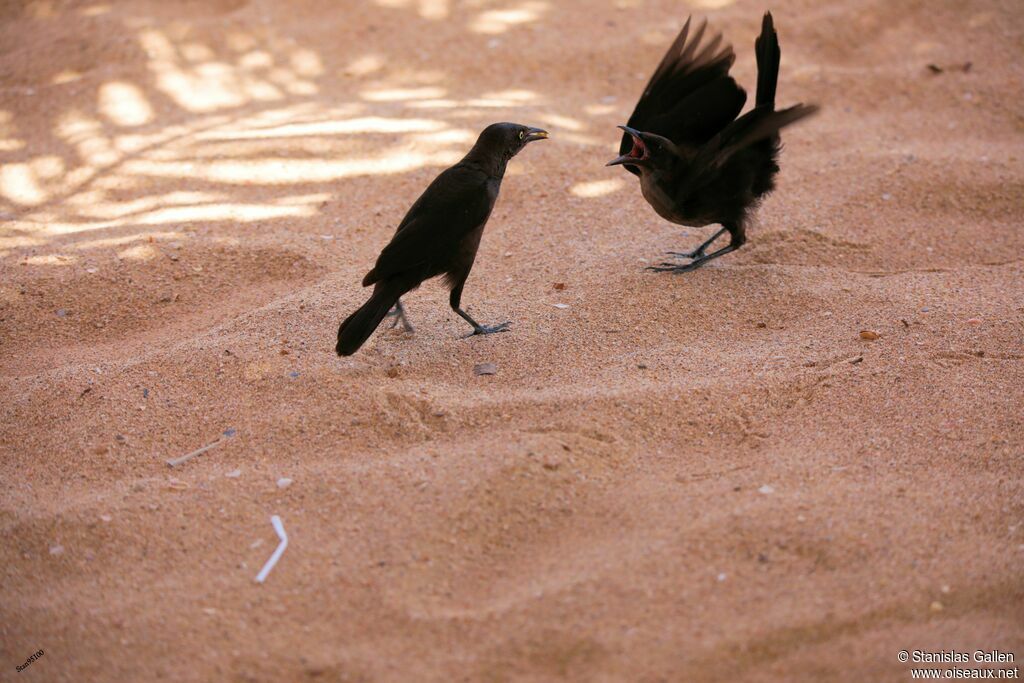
144,130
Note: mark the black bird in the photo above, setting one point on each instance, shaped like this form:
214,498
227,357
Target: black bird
439,235
699,164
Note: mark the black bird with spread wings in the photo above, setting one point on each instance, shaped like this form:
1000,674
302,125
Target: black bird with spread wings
439,235
698,163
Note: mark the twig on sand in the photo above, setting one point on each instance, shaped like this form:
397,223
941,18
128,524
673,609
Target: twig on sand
174,462
279,528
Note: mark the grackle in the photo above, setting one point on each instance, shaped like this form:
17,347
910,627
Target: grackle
439,235
698,163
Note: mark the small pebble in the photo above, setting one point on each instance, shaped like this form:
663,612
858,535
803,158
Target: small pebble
869,335
230,431
974,321
721,577
561,305
945,589
106,518
56,550
233,474
485,369
766,490
293,375
937,606
61,312
284,482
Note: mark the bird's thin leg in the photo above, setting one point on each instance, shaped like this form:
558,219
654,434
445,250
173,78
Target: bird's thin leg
477,327
692,265
699,251
455,299
398,313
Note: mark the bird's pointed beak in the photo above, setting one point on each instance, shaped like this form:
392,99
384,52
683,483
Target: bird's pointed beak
533,134
638,153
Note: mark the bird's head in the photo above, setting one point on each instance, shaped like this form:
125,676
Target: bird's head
509,138
648,149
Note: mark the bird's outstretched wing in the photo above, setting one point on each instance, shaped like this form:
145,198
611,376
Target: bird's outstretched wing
691,96
757,124
455,204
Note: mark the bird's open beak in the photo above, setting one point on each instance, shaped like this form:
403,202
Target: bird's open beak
536,134
638,153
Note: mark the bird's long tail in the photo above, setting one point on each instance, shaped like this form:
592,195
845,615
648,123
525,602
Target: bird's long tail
768,57
358,327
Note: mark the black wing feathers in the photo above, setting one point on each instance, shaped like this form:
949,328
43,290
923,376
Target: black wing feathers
455,204
691,96
757,124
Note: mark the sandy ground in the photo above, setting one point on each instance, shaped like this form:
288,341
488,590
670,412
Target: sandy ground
707,477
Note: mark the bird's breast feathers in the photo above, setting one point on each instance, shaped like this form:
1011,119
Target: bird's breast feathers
657,190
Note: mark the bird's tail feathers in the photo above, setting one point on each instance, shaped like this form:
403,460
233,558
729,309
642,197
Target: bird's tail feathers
358,327
768,57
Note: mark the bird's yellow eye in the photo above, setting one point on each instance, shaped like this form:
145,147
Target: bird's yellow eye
521,134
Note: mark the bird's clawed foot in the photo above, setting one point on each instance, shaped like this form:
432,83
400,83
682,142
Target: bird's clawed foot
398,313
477,327
696,263
695,254
489,329
676,268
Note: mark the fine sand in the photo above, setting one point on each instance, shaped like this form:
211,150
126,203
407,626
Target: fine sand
704,477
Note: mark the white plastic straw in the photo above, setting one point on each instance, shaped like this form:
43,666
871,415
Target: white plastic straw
174,462
279,528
